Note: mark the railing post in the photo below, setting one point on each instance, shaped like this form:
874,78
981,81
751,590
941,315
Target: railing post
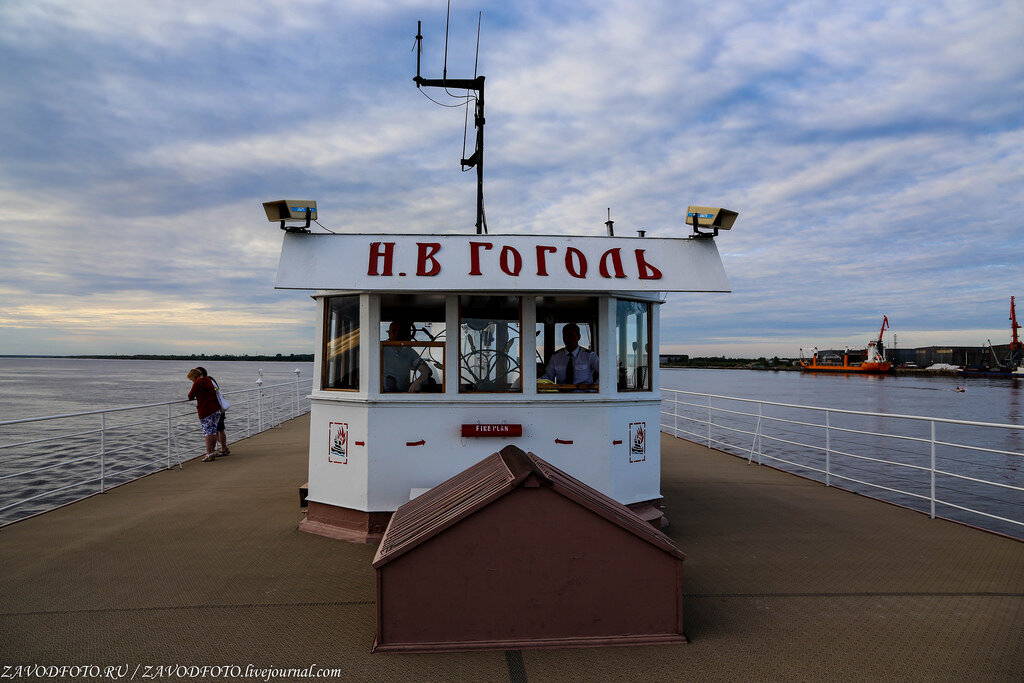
273,405
259,403
248,412
932,496
298,373
760,440
709,420
757,438
103,447
259,399
828,450
675,414
168,436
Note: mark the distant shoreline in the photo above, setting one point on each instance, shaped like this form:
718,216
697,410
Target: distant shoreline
742,364
263,358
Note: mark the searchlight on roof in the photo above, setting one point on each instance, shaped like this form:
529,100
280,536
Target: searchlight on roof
285,210
712,217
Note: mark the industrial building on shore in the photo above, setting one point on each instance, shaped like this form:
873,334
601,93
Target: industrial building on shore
920,357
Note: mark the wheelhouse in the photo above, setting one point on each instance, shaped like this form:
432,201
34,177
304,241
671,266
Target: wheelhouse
435,351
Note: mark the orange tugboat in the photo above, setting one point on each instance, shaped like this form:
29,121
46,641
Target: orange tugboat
875,362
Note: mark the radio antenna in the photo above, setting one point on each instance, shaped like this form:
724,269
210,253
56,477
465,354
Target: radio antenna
475,84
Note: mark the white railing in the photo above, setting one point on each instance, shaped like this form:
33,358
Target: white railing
972,474
57,459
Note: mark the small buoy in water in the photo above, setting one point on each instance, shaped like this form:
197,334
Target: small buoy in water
961,389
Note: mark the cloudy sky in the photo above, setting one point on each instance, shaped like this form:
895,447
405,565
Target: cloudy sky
874,150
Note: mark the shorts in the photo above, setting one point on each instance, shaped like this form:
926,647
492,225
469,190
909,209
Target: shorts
220,422
210,423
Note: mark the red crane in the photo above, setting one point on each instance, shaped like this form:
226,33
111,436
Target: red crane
885,324
1015,344
876,350
1015,356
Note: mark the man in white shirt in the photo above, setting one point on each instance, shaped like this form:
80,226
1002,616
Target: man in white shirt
572,364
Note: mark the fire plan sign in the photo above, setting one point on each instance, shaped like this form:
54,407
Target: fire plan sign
502,430
637,441
338,443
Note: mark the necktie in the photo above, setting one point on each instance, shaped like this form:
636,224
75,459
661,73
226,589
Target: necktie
570,371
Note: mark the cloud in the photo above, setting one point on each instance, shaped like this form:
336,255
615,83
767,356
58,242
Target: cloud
874,152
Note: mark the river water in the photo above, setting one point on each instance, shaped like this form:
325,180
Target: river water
852,448
985,399
32,387
58,461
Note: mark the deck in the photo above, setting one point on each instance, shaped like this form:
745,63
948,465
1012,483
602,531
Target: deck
785,579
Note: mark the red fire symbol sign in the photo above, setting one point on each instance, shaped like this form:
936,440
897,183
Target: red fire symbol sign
338,443
637,441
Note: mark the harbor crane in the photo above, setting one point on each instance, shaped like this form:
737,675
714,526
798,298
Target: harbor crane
1016,354
876,350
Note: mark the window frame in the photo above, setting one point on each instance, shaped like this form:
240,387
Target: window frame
429,312
324,360
649,379
593,323
420,344
458,341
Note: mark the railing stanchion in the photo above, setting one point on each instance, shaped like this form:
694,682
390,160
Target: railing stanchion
259,400
259,409
828,451
932,496
756,441
168,436
675,414
273,406
103,447
760,440
709,421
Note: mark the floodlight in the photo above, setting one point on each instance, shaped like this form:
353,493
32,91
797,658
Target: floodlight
712,217
291,210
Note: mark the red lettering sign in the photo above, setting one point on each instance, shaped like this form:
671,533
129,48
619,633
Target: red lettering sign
376,254
542,268
616,260
474,256
425,253
575,262
517,261
510,261
647,271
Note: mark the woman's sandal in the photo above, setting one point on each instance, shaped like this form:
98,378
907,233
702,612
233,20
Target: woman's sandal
210,457
226,451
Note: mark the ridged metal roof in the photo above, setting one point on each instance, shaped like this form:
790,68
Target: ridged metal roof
485,482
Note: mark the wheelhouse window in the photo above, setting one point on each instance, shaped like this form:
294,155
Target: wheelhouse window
490,347
412,333
341,343
633,345
566,329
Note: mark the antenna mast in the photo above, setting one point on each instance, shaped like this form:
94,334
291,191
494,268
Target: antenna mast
476,84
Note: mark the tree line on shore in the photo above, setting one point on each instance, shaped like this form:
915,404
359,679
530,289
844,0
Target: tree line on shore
288,358
683,361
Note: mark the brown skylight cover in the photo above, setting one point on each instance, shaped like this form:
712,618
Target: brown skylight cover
512,553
